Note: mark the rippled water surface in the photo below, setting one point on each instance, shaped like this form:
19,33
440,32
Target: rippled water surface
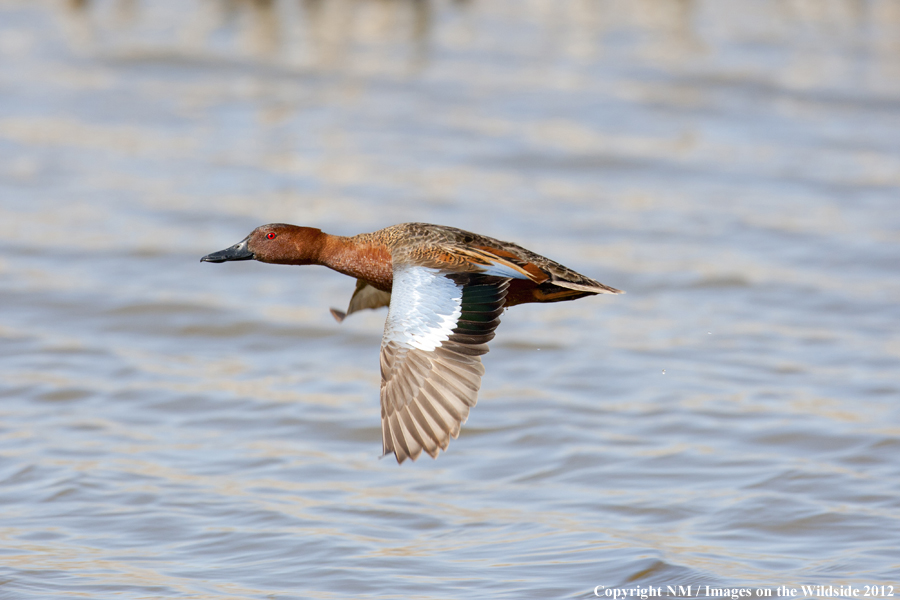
172,429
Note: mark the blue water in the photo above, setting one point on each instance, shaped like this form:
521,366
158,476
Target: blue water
172,429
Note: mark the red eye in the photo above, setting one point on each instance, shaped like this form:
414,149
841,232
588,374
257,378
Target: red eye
271,235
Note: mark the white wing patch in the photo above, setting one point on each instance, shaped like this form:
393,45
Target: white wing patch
425,307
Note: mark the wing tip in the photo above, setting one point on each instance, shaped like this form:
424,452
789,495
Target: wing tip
401,458
600,288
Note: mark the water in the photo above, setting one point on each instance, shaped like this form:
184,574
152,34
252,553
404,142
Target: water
172,429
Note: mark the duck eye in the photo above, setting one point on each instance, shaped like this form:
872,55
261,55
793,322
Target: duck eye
271,235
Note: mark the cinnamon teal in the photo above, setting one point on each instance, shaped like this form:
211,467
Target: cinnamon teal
445,289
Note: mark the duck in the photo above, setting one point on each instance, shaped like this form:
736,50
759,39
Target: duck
445,289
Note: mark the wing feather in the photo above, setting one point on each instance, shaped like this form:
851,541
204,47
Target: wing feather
504,259
364,296
431,437
401,450
438,326
414,441
458,411
448,423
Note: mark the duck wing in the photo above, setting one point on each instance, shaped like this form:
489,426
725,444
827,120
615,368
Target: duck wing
511,260
364,296
438,326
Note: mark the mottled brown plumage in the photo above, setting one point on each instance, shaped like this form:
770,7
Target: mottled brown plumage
446,289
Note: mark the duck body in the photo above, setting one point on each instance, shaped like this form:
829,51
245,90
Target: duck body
446,289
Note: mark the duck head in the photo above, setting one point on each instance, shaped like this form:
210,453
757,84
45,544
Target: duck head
276,243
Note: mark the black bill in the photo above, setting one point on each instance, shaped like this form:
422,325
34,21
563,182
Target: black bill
237,252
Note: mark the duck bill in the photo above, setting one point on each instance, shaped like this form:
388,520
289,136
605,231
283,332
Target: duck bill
237,252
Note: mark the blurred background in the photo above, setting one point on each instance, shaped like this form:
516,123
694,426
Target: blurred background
176,429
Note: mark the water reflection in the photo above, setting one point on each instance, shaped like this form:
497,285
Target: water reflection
306,32
379,35
338,28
